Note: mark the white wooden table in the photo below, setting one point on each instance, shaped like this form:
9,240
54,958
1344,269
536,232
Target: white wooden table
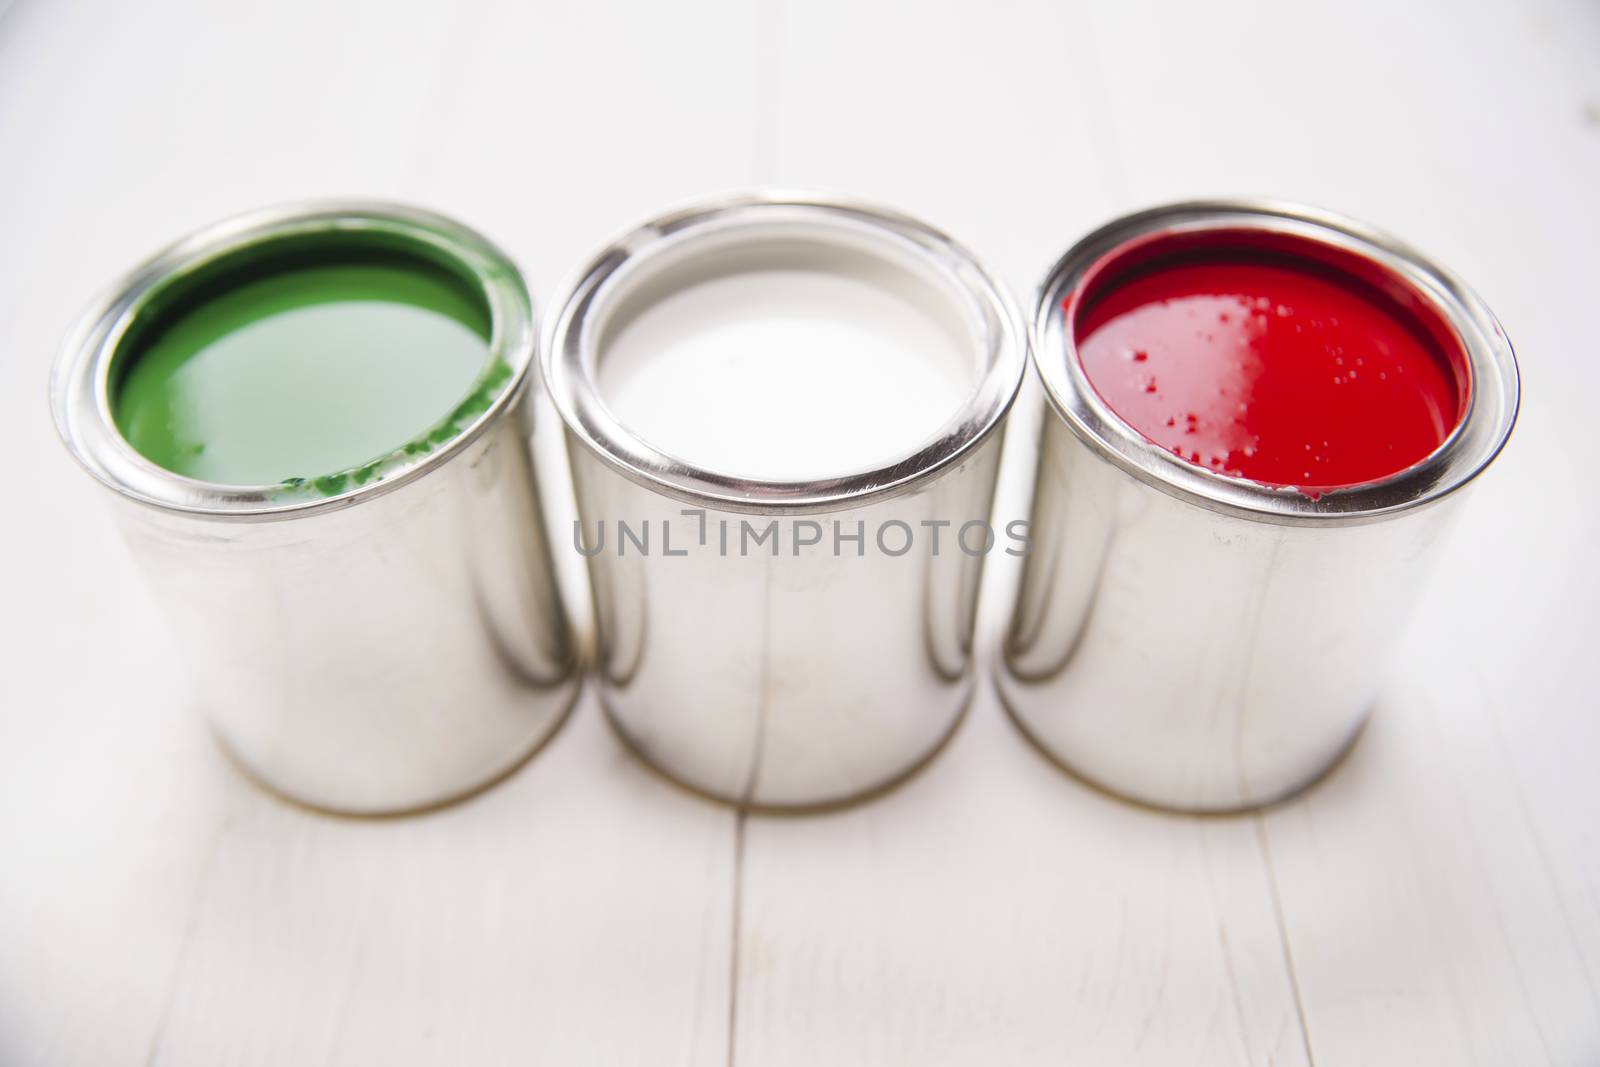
1437,900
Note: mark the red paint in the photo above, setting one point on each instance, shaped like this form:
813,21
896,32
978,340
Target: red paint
1270,367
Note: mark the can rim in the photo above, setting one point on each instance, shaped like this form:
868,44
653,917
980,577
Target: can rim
568,356
80,380
1481,433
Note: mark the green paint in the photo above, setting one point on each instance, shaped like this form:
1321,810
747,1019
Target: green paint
307,372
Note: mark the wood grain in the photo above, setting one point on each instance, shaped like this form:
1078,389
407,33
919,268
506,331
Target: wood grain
1436,901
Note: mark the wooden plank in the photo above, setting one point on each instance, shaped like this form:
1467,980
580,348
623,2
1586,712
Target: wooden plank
577,912
994,910
975,120
991,909
162,910
1439,890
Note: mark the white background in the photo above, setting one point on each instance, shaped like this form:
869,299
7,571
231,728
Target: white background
1437,900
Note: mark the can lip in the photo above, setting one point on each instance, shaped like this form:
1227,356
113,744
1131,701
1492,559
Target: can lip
80,378
1484,426
569,354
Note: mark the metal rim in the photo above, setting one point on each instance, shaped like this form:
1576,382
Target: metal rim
1481,433
569,357
80,382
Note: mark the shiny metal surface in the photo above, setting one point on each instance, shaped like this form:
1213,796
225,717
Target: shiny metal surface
784,675
389,648
1207,643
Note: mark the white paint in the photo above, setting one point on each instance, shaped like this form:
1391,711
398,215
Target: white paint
797,362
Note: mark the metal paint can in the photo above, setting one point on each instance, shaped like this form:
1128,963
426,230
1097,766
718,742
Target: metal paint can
371,641
828,662
1199,641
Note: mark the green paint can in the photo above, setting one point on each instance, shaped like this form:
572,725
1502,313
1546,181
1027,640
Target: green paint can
316,420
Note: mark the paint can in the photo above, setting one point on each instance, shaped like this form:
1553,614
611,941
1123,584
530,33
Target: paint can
379,635
1186,634
779,630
